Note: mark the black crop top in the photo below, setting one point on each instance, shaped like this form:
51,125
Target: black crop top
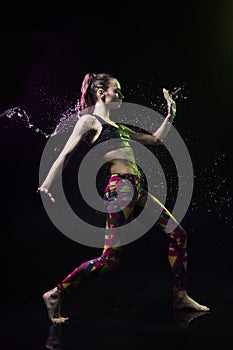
111,132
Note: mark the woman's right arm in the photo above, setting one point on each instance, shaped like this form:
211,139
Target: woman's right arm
81,129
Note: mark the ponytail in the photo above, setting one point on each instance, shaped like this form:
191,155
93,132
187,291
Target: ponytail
86,98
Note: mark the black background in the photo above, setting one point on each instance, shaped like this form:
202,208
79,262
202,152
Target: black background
45,53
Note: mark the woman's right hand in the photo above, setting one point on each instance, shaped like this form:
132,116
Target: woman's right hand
170,103
45,190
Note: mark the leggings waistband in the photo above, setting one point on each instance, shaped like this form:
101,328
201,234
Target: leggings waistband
131,177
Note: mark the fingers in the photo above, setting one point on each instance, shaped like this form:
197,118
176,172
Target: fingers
167,96
51,197
170,102
45,190
42,189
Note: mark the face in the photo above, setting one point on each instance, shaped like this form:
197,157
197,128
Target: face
113,95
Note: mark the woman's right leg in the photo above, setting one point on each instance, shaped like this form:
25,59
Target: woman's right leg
120,202
119,212
108,261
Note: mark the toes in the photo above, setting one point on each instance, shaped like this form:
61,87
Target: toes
204,308
60,320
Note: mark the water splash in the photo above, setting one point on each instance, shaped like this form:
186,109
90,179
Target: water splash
65,124
68,120
20,116
178,93
213,196
153,97
214,184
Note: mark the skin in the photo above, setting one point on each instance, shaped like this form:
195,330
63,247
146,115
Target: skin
90,128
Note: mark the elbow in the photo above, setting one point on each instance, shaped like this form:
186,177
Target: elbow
156,141
63,159
159,142
66,153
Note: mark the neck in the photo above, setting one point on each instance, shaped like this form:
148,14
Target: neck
102,112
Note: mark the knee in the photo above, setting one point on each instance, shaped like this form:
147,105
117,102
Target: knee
109,262
108,266
182,237
178,238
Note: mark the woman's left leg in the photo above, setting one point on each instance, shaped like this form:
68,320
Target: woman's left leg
177,237
177,250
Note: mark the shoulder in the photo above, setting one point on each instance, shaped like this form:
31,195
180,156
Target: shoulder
86,122
86,118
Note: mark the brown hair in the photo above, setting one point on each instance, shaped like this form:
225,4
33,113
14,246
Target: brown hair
91,83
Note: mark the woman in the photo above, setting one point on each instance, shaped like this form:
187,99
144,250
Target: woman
103,91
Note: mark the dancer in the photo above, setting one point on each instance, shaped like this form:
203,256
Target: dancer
123,194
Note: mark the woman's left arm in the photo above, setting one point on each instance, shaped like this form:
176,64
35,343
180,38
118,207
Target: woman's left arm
157,137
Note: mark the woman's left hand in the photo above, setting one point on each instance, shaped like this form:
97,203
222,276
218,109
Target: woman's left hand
170,103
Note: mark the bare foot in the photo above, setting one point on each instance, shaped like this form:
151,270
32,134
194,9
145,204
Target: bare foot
182,301
52,300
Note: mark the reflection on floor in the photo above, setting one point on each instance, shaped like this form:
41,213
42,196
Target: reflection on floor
123,334
131,309
117,323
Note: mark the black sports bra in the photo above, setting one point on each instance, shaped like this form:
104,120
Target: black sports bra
109,132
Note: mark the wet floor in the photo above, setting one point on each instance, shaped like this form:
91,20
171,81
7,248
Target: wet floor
122,316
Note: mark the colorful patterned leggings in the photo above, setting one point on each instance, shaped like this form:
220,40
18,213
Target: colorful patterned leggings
120,211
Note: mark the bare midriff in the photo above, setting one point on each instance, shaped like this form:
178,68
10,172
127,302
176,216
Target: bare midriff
122,161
